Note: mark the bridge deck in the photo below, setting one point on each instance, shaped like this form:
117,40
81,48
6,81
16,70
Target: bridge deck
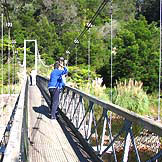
48,141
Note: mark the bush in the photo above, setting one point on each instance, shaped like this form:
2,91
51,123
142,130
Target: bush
136,55
131,96
79,76
96,89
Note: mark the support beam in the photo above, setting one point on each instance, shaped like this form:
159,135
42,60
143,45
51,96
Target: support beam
36,55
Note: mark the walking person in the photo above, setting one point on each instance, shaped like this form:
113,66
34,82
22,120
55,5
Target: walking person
55,85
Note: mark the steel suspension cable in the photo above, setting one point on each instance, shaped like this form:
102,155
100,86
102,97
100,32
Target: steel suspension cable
111,63
111,52
76,55
16,64
2,51
2,90
89,58
13,68
159,66
7,13
88,25
5,8
9,61
9,25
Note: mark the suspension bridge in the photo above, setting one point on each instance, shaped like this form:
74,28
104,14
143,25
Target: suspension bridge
28,133
88,129
115,134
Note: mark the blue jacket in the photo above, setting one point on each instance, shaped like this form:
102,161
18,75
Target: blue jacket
56,78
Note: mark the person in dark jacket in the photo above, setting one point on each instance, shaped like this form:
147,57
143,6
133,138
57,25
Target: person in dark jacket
55,85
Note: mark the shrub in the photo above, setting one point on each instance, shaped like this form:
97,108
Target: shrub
131,96
136,55
79,76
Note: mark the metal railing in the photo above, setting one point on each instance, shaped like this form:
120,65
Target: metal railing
126,137
17,146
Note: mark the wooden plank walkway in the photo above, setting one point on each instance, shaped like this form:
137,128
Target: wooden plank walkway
48,143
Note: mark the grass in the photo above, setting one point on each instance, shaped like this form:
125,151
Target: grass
131,95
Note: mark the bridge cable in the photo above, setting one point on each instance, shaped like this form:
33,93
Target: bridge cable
111,64
89,58
111,36
13,63
5,10
111,51
76,54
159,65
9,25
88,25
2,52
8,60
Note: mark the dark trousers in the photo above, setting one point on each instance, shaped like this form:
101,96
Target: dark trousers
54,93
30,80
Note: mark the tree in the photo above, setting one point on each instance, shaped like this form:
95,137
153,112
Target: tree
137,54
150,9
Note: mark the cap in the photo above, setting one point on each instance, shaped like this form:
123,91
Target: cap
61,59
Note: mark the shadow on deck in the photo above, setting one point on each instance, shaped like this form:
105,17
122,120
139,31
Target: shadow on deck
51,140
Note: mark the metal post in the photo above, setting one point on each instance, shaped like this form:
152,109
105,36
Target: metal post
90,119
134,145
126,147
36,61
159,66
103,134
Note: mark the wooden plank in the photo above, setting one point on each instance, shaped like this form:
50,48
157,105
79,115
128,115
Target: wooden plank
48,141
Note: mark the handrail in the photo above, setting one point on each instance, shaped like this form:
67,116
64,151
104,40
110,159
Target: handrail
147,123
13,149
81,114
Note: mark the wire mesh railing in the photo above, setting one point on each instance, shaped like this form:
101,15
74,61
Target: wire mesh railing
16,148
129,136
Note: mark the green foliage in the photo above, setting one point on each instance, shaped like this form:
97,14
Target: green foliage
137,54
55,24
131,96
124,10
9,74
78,76
150,9
96,89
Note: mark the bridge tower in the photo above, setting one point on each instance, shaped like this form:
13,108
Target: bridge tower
36,53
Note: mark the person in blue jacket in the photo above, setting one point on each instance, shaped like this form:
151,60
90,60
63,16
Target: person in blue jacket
55,85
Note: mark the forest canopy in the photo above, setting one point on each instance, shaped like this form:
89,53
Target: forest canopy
56,23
